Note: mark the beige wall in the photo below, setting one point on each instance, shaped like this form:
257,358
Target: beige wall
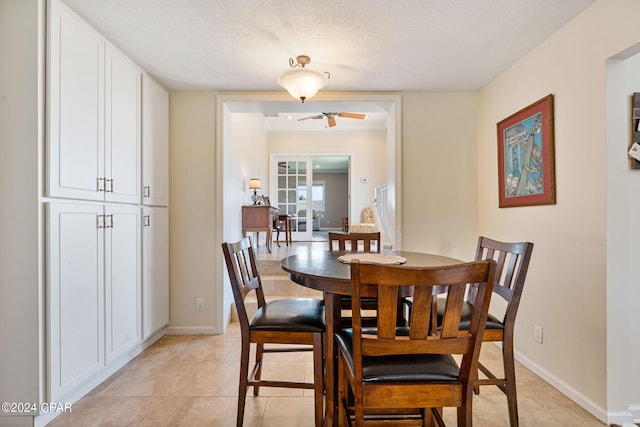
439,171
21,140
567,282
193,243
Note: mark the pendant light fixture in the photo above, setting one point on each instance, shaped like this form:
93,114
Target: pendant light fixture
302,83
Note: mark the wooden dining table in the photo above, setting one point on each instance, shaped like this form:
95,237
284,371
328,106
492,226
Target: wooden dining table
321,270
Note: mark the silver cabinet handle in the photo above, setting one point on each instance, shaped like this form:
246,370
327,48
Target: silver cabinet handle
147,191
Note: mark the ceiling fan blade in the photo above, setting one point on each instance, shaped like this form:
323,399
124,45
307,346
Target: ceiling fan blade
331,121
312,117
352,116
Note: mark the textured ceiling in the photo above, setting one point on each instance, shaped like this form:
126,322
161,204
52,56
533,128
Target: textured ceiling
366,45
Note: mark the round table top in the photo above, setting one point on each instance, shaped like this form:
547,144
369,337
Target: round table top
322,271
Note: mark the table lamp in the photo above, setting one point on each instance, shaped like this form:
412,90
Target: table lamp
254,184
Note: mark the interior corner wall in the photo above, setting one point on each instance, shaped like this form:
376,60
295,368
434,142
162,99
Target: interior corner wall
623,243
566,289
21,262
245,154
193,252
439,173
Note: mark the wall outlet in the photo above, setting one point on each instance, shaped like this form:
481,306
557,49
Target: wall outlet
199,304
537,333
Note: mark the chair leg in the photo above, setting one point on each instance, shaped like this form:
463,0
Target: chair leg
510,376
343,390
258,374
318,376
242,385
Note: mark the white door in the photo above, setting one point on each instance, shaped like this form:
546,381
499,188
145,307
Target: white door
123,290
122,129
155,273
155,143
75,294
75,155
291,181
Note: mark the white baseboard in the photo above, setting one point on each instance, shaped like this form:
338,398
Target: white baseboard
79,392
564,388
193,330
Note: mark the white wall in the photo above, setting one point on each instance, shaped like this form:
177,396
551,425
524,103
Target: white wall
367,150
245,152
623,242
566,290
21,139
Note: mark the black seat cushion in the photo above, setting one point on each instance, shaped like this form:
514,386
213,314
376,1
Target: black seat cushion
465,317
401,368
290,315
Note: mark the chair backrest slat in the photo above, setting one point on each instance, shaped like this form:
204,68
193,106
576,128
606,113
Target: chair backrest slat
370,242
244,276
394,281
512,266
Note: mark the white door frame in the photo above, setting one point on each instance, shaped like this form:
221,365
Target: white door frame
224,107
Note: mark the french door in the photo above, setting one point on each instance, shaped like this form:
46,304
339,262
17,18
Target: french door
291,178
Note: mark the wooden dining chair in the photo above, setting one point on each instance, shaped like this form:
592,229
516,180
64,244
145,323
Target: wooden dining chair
395,371
293,321
356,242
363,242
512,266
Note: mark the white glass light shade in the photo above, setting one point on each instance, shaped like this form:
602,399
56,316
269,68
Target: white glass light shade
302,83
254,184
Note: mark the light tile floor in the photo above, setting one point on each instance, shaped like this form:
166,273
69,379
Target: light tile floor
191,380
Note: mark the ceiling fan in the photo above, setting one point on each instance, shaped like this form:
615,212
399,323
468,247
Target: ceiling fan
331,117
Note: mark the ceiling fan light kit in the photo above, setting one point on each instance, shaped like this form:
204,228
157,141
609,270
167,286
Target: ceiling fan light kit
302,83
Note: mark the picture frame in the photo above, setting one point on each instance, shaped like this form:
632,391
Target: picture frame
526,160
264,200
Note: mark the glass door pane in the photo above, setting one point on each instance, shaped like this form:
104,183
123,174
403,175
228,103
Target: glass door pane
292,181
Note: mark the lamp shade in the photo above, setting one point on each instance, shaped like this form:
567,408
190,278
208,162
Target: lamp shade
302,83
254,184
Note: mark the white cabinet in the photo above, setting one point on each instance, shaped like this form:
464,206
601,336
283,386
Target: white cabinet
122,129
93,289
123,290
93,149
75,151
155,143
75,295
155,269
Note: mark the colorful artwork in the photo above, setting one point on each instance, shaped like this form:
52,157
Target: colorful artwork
525,154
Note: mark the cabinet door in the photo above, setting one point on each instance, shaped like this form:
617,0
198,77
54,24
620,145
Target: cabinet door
122,128
75,155
155,276
75,295
155,143
122,279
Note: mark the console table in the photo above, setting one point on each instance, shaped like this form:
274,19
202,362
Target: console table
257,218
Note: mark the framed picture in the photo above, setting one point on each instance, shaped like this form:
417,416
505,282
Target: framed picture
265,201
526,170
